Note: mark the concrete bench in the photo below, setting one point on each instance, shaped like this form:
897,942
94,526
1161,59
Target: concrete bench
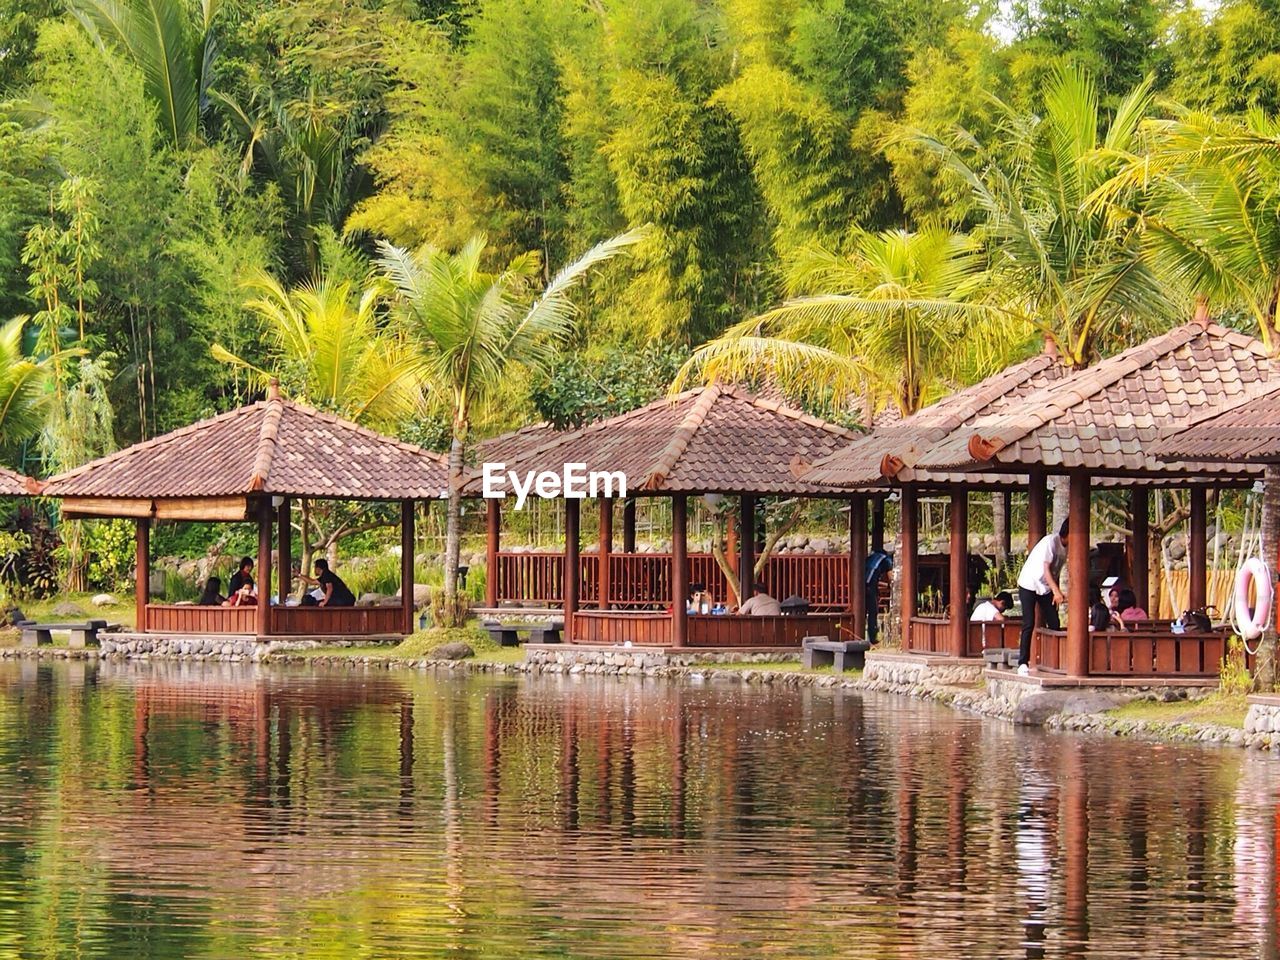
82,634
508,634
841,655
1001,658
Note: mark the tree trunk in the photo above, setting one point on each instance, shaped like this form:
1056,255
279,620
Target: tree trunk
1000,526
1061,488
1267,652
304,534
453,534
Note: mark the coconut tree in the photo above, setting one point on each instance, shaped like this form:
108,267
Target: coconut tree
476,329
25,397
329,344
1072,268
900,320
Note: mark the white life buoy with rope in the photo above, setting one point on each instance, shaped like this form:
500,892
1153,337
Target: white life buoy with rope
1252,573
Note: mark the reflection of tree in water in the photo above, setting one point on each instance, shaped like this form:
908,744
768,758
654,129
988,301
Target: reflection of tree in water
227,809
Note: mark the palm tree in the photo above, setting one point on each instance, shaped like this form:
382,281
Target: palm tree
1072,268
328,346
477,328
1205,190
900,320
174,54
25,397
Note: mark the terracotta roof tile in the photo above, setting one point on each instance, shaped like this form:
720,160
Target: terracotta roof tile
14,484
710,440
1129,398
274,447
1245,429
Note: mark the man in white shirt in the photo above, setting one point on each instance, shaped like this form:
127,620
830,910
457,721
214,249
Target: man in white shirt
990,611
1038,590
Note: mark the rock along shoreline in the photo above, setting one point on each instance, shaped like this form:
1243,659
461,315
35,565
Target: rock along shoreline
751,669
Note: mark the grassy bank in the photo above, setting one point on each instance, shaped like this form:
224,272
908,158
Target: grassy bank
1218,709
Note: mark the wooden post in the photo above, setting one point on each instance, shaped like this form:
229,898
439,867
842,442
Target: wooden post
572,575
731,552
746,545
406,563
264,566
143,560
1037,505
1078,514
284,541
605,579
959,556
679,569
1197,559
1139,559
909,549
629,525
877,523
492,544
858,565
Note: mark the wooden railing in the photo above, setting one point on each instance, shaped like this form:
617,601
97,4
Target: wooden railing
173,618
337,621
1151,652
643,628
932,635
285,621
640,580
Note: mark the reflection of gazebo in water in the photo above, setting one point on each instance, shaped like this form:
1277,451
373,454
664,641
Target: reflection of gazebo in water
714,441
249,464
1097,427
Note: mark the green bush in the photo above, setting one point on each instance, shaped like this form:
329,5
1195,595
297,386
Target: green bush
111,548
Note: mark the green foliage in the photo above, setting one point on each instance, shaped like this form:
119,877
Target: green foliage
583,387
110,547
1233,674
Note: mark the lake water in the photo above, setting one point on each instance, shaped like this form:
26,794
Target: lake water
177,810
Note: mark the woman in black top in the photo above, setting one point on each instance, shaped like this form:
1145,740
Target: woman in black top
336,593
242,576
212,596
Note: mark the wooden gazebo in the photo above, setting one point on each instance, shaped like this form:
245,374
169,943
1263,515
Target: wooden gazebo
248,465
717,441
1099,425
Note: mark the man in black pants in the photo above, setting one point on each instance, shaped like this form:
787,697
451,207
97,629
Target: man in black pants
1038,590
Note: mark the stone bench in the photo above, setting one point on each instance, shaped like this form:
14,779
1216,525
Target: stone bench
82,634
1001,658
841,655
508,634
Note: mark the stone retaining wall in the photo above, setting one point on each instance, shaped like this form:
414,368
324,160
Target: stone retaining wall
233,649
895,671
1264,715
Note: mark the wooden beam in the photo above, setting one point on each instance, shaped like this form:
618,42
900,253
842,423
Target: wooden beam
143,565
1197,554
1037,508
909,550
680,569
959,575
1139,558
572,573
492,546
406,563
284,545
858,565
1078,514
75,507
202,508
605,579
264,566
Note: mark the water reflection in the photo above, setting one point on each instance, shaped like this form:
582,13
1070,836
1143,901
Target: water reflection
170,810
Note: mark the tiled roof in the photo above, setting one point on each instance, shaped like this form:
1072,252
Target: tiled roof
14,484
275,447
1243,430
1109,416
895,446
516,443
709,440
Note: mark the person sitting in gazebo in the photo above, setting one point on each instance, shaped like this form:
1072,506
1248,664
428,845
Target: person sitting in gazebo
1127,611
334,593
242,576
760,604
212,594
990,611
